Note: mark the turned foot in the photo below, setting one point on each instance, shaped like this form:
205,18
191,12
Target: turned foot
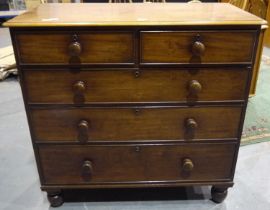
219,193
55,198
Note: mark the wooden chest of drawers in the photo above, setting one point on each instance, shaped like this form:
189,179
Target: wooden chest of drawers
147,95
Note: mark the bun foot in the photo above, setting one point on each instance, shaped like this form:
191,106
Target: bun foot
219,194
55,198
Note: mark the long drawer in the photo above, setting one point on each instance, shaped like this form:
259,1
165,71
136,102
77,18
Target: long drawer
79,47
151,85
133,163
197,47
130,124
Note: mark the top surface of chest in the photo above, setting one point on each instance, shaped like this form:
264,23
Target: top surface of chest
53,15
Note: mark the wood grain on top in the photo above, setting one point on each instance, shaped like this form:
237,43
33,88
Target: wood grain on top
105,14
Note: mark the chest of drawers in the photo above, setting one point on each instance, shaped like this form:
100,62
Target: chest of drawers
147,95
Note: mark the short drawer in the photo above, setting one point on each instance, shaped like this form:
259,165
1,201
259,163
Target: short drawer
82,47
136,163
134,124
163,85
197,47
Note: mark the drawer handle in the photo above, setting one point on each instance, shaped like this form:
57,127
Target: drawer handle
187,165
194,87
79,87
87,168
75,49
198,48
83,128
191,124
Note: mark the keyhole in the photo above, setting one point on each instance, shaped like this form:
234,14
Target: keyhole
137,112
137,74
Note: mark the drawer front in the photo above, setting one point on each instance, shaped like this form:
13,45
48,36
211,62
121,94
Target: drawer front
65,48
165,85
197,47
129,124
116,164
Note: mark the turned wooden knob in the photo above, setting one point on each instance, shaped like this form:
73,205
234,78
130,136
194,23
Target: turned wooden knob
79,87
87,168
83,129
191,124
75,49
198,48
194,87
187,165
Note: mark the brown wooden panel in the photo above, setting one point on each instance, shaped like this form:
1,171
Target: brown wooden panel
165,85
127,124
267,34
176,47
96,47
64,164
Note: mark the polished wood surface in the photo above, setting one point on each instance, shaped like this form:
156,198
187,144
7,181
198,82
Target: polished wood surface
179,47
267,35
116,85
133,163
128,124
51,15
88,47
258,8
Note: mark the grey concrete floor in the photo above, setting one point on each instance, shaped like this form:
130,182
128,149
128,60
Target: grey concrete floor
19,183
4,37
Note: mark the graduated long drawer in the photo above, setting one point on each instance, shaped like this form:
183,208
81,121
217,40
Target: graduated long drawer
64,165
133,85
129,124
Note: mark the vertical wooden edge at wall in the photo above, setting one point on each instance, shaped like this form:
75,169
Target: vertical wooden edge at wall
24,94
243,114
267,33
256,68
